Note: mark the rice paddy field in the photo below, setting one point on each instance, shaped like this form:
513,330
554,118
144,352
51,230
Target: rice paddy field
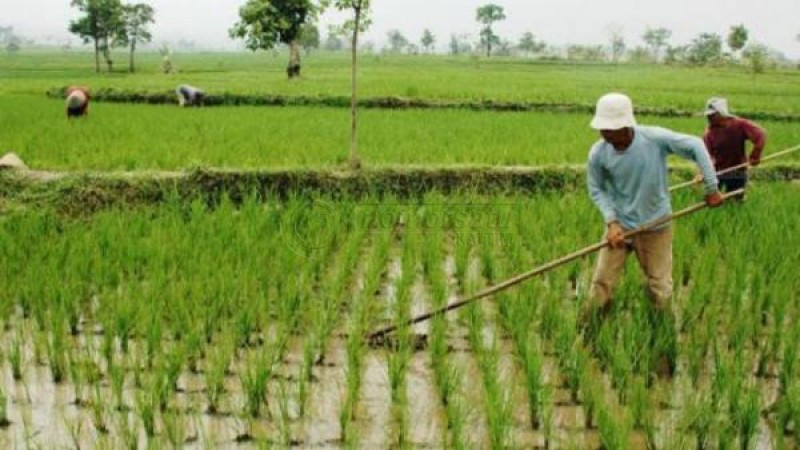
240,321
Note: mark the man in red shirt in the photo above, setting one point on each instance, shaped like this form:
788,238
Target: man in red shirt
726,138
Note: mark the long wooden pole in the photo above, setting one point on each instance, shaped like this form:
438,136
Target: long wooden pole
735,168
575,255
379,334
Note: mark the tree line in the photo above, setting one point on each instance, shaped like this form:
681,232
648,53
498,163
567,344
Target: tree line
108,24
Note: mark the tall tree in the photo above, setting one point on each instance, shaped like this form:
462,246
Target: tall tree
428,40
358,23
397,42
737,38
487,15
136,18
101,24
264,24
656,39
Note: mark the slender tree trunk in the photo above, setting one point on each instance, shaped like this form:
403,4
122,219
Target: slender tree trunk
131,65
355,162
107,55
293,70
96,56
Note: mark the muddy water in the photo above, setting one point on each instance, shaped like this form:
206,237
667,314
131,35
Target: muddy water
476,429
44,415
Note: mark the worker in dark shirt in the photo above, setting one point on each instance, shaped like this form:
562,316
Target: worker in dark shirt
726,140
77,102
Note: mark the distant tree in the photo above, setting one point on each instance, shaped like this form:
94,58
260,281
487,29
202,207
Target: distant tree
102,24
428,40
677,54
358,23
586,52
397,41
264,24
616,42
333,43
640,55
9,40
504,48
706,48
656,39
737,38
459,44
135,19
309,37
529,45
757,56
487,15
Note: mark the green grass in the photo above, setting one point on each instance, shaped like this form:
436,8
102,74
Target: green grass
436,77
136,137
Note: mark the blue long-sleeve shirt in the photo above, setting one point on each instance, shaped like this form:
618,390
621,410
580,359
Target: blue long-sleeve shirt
631,186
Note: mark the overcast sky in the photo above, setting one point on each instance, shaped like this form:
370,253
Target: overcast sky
559,22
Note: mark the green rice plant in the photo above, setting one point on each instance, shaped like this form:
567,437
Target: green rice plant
306,375
74,429
534,383
215,372
99,411
284,417
116,375
128,431
57,355
614,428
16,356
76,377
643,411
254,378
4,421
147,401
174,425
746,417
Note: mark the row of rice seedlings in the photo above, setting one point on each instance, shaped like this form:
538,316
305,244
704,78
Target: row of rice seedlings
517,313
362,313
446,374
497,397
399,358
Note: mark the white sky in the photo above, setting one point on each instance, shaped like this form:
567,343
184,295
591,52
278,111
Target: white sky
559,22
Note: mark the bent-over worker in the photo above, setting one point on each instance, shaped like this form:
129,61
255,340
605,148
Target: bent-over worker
190,95
77,102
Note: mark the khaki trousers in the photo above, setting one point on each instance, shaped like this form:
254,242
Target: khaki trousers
653,249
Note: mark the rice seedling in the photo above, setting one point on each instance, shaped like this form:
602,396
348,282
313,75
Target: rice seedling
99,410
16,356
4,421
174,427
254,378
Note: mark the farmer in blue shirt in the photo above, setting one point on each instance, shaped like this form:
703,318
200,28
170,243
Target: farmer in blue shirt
627,178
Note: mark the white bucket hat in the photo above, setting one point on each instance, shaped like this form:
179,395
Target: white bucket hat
717,105
614,111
